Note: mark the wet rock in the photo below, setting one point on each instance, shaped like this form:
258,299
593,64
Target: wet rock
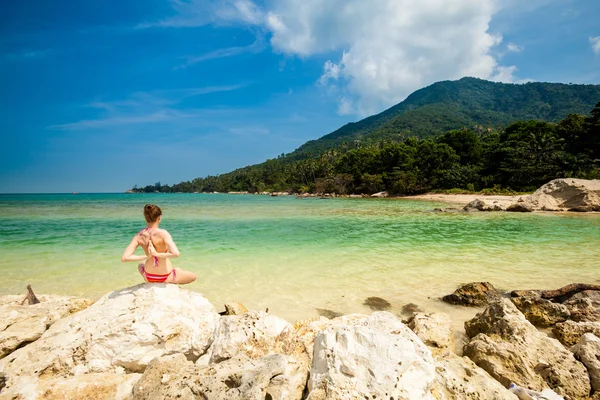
328,313
276,377
21,325
377,303
235,308
541,312
512,350
519,207
473,294
569,332
122,331
434,329
410,308
587,350
475,205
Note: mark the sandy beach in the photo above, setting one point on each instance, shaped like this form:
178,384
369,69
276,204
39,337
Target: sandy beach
464,199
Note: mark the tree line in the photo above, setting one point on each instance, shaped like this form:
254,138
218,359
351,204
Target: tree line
521,157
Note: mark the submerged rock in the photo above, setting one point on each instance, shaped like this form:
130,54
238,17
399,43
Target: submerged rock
328,313
512,350
472,294
121,332
377,304
410,308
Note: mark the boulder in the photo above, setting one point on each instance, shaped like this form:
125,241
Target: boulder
569,332
254,334
565,194
541,312
511,349
100,386
458,378
121,332
379,358
472,294
434,329
23,324
475,205
520,207
276,377
584,306
587,350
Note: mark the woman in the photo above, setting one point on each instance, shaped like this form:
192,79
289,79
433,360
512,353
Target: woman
159,248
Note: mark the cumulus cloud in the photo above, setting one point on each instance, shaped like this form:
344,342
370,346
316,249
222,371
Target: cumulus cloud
389,48
595,42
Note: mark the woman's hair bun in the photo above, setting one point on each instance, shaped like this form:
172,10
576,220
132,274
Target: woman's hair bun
152,212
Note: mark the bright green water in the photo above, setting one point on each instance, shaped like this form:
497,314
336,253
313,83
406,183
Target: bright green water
293,255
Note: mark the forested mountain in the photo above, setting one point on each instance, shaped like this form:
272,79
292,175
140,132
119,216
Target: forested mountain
470,134
467,103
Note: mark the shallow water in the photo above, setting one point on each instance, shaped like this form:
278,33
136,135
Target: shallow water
294,255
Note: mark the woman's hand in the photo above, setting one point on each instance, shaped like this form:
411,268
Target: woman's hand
151,249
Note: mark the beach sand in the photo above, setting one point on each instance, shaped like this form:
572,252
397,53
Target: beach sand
464,199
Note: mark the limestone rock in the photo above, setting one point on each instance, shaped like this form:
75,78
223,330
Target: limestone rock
511,349
23,324
587,350
123,331
434,329
253,334
458,378
235,308
472,294
541,312
101,386
564,194
379,358
584,306
569,332
277,377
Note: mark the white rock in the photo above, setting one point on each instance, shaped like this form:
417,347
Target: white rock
380,358
434,329
124,330
587,350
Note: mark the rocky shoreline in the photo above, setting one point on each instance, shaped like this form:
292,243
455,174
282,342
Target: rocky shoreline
155,341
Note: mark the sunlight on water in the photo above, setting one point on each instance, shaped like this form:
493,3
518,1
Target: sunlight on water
293,256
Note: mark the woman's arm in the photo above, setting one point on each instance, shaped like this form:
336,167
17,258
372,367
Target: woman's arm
128,253
172,250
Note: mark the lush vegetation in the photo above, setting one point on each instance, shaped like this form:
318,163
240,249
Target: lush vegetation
467,103
523,156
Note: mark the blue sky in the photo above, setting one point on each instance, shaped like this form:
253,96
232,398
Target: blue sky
100,96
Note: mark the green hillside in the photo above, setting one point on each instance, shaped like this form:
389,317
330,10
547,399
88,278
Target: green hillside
467,103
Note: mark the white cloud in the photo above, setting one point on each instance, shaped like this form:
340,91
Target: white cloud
389,48
515,48
255,47
595,42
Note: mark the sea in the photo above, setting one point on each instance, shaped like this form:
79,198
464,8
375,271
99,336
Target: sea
298,258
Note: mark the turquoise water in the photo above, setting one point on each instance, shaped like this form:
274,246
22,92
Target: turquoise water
293,255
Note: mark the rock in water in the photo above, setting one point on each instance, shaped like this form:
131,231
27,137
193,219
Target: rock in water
519,207
511,349
473,294
124,330
377,303
475,205
235,308
330,314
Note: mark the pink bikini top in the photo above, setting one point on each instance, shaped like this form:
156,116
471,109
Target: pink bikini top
149,239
